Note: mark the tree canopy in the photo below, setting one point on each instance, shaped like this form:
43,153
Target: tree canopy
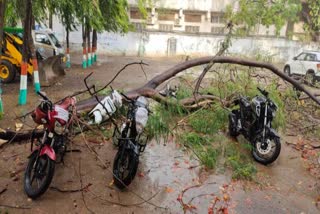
265,12
98,14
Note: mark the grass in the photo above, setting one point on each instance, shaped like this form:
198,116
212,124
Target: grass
205,134
209,121
240,163
203,146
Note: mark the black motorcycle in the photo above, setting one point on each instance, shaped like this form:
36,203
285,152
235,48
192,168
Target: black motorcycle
130,142
254,120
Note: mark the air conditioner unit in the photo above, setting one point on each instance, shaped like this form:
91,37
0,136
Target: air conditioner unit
177,22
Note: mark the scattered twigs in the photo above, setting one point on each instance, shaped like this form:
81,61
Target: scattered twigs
186,206
127,205
106,167
224,46
85,188
81,187
72,95
306,97
3,190
15,207
123,68
153,83
199,196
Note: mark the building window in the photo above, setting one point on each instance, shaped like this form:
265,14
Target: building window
163,27
192,29
166,15
138,26
217,18
192,18
135,14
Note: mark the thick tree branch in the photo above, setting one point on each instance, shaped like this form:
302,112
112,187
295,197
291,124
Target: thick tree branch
157,80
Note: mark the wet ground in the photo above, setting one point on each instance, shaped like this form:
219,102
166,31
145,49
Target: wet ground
167,176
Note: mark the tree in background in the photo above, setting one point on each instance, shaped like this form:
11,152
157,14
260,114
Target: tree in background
25,52
3,4
250,14
311,18
65,11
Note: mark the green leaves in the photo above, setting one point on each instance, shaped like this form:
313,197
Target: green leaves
253,12
314,15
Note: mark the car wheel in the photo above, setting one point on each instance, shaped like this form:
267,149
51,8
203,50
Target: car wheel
310,78
287,71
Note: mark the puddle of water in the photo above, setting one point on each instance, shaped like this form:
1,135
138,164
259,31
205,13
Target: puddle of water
172,170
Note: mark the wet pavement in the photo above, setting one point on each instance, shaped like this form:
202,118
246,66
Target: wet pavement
167,173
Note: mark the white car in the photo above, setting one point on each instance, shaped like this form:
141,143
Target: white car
306,64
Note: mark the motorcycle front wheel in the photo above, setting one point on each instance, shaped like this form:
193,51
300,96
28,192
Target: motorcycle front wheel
268,151
38,175
125,167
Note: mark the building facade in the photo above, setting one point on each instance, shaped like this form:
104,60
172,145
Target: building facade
188,27
191,16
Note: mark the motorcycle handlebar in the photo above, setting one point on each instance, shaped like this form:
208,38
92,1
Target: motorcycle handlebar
42,95
264,92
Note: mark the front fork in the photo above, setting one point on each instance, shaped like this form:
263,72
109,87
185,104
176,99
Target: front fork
44,148
265,122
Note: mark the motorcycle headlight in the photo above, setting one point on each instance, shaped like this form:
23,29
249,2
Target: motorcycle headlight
58,128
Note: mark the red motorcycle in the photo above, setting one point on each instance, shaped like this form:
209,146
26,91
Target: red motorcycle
56,120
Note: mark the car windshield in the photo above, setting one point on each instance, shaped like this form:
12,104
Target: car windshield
55,40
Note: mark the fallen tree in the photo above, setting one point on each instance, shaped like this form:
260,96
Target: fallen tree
194,102
149,89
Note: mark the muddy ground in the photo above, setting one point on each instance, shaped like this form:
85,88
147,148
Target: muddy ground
165,169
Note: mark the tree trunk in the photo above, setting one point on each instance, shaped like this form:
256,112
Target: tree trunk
25,53
149,89
94,45
33,55
2,13
68,49
84,46
88,44
50,20
2,16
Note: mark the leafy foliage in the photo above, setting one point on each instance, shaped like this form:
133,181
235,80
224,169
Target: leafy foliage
313,16
264,12
204,147
242,165
209,121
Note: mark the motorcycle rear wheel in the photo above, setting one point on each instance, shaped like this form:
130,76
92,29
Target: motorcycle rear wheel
38,175
125,167
266,154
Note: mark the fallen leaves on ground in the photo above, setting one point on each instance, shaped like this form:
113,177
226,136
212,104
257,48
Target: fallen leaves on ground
169,190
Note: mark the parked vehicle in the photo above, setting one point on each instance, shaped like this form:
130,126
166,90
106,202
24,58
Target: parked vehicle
306,64
56,120
130,142
254,120
49,52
